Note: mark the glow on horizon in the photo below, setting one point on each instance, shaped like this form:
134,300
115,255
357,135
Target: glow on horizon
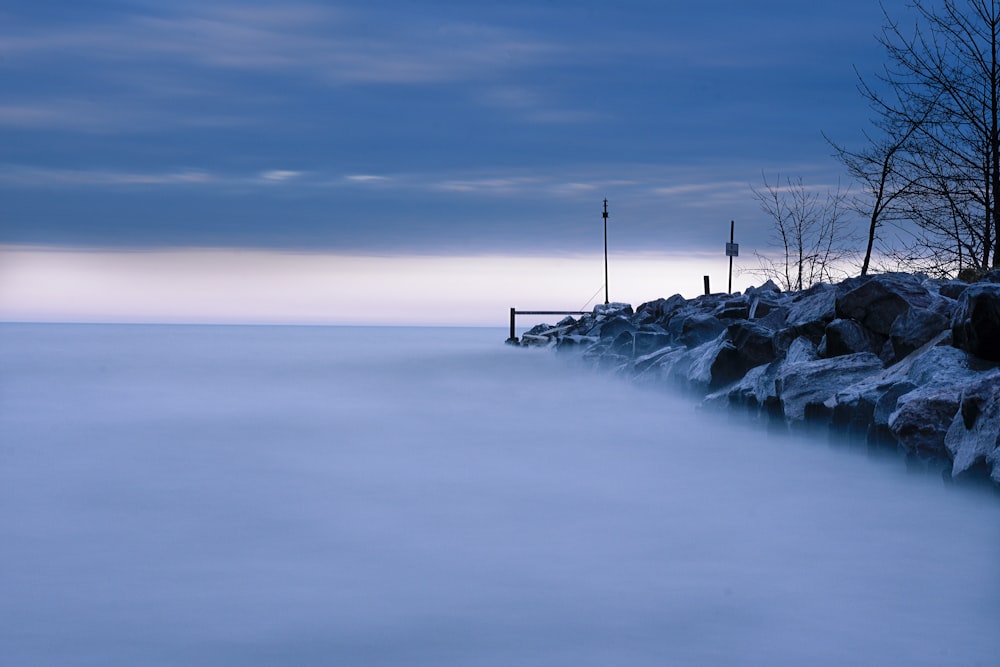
239,286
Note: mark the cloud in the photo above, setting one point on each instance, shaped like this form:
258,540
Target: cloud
279,175
493,185
195,65
533,106
366,178
12,175
313,40
113,114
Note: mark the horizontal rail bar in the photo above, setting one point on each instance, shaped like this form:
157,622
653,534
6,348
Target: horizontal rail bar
550,312
514,313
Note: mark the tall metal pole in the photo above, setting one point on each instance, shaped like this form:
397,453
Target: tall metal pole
605,251
732,226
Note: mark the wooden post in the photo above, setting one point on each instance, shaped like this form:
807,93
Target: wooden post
732,226
513,315
707,290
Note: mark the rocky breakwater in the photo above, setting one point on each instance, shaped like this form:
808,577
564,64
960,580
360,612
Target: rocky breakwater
898,359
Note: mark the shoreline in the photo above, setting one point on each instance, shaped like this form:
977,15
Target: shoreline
898,361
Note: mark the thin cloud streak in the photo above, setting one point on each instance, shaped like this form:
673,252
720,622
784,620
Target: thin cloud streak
698,188
333,46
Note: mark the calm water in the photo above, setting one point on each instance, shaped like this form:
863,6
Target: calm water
350,496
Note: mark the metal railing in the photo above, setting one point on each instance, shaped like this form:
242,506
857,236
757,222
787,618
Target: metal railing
514,313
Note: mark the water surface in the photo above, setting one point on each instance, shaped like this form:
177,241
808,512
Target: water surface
350,496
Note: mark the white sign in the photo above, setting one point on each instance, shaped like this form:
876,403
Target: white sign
732,250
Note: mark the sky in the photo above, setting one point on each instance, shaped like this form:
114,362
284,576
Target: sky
404,162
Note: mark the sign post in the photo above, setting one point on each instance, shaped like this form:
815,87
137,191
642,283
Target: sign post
605,251
732,250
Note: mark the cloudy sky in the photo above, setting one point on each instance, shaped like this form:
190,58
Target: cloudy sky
306,161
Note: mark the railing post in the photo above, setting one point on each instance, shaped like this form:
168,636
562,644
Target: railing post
513,337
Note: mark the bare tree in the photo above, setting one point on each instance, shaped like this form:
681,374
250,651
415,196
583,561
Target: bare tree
940,158
883,171
809,234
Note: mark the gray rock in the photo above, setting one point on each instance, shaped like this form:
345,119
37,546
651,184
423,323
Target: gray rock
975,326
913,329
757,387
952,288
705,372
673,366
813,308
972,438
767,288
808,384
575,342
735,309
807,315
613,309
878,301
940,365
801,349
923,417
889,401
624,344
754,343
650,341
613,327
698,329
660,310
848,337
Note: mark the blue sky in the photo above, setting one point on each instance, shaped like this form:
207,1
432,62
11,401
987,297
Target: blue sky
407,128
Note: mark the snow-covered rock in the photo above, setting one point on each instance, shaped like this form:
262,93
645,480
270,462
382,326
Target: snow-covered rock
973,438
871,356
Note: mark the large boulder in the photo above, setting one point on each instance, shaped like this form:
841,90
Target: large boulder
688,368
975,325
613,309
745,345
697,329
886,405
706,370
813,308
733,309
807,315
754,343
660,310
650,341
764,299
807,386
612,327
923,417
939,365
915,327
848,337
974,435
865,406
952,289
879,300
769,287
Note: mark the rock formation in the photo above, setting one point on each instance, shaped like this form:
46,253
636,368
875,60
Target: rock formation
894,358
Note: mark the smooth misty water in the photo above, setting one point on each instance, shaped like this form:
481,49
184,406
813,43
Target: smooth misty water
338,496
